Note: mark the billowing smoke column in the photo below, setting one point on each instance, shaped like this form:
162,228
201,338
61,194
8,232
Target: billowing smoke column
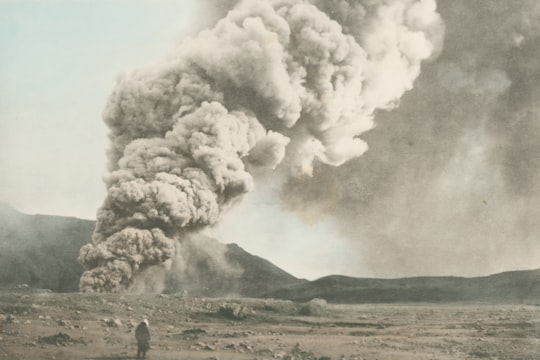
273,80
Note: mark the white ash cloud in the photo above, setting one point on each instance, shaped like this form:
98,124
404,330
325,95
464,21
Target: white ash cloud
273,80
451,185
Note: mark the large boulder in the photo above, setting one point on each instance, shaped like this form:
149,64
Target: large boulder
314,307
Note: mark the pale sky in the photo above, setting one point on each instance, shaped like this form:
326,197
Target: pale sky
58,63
450,185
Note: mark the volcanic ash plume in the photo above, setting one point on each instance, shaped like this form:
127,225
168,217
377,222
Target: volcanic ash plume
273,80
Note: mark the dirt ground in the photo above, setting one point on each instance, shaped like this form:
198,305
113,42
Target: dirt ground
42,325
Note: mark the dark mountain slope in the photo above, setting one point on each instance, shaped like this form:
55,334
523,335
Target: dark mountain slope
259,275
508,287
42,251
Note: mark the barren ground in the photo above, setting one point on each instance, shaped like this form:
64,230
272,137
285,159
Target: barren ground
88,326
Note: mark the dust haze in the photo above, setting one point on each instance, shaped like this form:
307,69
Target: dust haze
450,183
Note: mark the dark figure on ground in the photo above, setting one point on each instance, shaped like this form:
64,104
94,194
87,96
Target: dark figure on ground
142,334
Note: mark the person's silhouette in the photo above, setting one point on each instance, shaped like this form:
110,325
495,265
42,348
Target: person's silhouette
142,334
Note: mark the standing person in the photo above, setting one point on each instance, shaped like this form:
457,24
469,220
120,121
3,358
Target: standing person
142,334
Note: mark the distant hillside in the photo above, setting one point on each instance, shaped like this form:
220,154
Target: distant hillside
508,287
259,275
42,251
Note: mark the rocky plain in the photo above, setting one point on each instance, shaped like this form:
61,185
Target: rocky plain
37,324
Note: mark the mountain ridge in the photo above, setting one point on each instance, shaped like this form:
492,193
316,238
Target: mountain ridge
42,251
521,286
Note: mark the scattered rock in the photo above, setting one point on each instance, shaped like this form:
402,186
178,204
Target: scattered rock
59,339
10,319
234,311
46,291
112,322
287,306
245,347
298,354
269,353
203,346
65,323
192,334
314,307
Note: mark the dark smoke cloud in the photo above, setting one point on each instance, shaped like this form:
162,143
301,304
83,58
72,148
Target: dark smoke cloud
272,81
451,182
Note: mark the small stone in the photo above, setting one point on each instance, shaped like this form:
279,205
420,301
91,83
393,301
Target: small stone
65,323
112,322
